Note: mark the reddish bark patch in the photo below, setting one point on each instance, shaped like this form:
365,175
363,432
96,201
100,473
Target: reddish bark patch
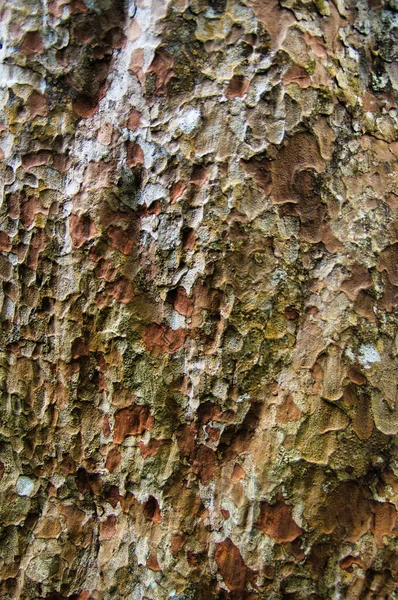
290,184
364,306
162,66
237,87
108,528
297,75
84,106
112,495
152,448
188,238
186,437
121,239
32,44
80,348
347,562
132,421
122,290
5,243
67,466
356,376
359,280
60,163
238,473
345,513
181,301
113,460
177,190
331,242
291,313
208,411
48,528
199,176
160,338
106,427
135,155
287,411
390,296
388,261
230,563
36,159
152,563
88,482
177,543
205,464
37,105
106,270
55,7
260,171
155,208
137,62
383,521
73,521
276,521
81,229
309,205
370,103
127,503
213,433
37,245
152,510
134,119
28,209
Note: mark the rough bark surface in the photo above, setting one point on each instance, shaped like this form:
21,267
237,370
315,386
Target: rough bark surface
199,266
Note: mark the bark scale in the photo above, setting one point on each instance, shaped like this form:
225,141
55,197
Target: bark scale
199,249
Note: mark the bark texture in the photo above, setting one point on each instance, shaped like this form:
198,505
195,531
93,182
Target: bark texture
199,266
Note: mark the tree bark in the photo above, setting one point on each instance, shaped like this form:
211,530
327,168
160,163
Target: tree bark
199,250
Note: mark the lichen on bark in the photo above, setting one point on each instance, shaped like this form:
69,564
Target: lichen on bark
198,259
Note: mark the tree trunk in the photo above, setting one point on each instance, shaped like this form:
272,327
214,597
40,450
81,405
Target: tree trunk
199,257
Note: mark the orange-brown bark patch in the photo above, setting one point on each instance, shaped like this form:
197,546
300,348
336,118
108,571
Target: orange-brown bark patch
160,338
230,563
113,460
152,510
152,447
205,464
81,229
276,521
108,528
359,280
181,301
388,261
122,239
135,155
237,87
122,290
186,438
152,563
132,421
383,521
287,411
32,44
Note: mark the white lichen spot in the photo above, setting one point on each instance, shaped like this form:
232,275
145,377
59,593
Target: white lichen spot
368,355
189,121
25,486
152,192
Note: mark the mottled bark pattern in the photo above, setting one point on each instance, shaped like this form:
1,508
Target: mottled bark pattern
199,269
